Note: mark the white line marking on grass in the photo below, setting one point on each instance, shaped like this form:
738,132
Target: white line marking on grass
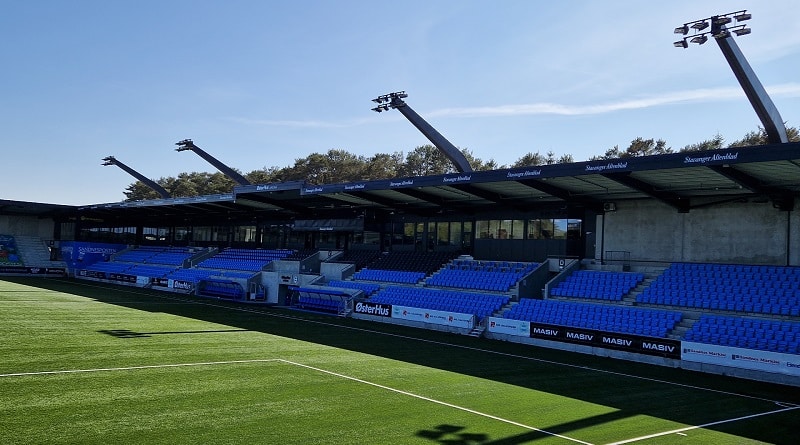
470,348
439,402
689,428
129,368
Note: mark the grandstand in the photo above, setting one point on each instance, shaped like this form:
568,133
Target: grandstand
552,256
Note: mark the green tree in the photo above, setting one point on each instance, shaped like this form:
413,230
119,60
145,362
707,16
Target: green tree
382,166
478,164
759,137
529,160
714,143
266,175
426,160
138,191
638,147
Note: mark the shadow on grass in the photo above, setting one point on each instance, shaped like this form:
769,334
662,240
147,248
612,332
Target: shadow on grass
597,380
125,333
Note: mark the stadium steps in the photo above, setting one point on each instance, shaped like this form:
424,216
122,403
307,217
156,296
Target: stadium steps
686,323
477,331
630,298
34,252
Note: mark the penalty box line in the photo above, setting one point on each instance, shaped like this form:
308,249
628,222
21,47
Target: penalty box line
438,402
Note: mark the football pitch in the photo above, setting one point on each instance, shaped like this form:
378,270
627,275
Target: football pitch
86,362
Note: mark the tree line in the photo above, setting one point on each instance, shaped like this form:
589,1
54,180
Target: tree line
339,166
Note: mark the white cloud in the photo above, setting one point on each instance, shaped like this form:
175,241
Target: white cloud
705,95
689,96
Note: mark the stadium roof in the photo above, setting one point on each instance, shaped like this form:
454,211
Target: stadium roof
681,180
24,208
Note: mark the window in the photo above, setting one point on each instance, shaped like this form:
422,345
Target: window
244,234
484,231
68,231
455,234
574,228
540,229
182,233
559,229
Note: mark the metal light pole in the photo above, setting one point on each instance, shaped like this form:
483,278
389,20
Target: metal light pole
111,160
395,101
755,92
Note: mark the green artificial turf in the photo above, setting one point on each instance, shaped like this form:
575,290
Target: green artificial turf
84,362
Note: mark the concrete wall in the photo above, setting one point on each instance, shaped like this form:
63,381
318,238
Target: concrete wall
745,233
27,226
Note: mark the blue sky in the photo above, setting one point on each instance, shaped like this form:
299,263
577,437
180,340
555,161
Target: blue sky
262,83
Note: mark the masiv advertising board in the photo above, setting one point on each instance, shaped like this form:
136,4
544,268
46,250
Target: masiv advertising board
662,347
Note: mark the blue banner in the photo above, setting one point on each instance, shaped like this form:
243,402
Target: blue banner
81,254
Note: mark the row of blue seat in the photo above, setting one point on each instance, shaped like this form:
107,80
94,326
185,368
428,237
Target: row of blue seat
597,285
755,304
638,321
390,276
224,289
320,304
741,332
481,305
367,288
739,268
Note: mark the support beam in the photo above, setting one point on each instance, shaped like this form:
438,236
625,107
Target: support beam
563,194
781,198
672,199
111,160
395,100
187,144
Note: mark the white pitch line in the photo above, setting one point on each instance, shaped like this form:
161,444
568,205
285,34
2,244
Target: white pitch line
229,362
470,348
689,428
439,402
129,368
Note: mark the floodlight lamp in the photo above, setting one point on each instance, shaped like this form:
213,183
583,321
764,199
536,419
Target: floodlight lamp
184,145
701,39
742,16
682,30
377,109
401,95
701,25
742,31
722,34
681,44
719,21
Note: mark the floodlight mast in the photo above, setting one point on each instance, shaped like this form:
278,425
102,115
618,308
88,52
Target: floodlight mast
759,99
111,160
187,144
395,101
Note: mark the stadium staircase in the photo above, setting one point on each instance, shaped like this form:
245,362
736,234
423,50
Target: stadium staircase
477,331
34,252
